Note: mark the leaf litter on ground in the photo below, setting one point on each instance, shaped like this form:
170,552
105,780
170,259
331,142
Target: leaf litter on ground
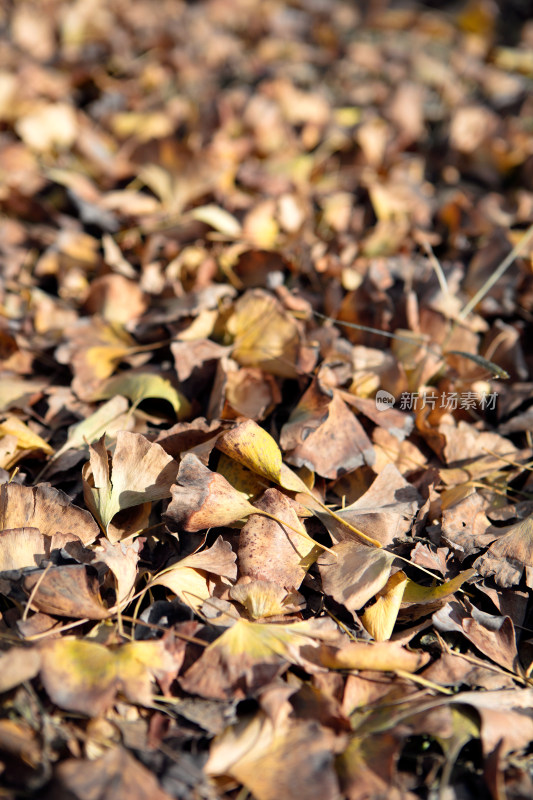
265,395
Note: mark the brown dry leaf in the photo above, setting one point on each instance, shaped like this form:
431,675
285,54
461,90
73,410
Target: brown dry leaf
249,655
270,552
139,472
356,574
386,511
17,665
265,335
116,775
191,578
507,557
281,760
80,675
493,635
70,590
47,509
122,560
324,435
204,499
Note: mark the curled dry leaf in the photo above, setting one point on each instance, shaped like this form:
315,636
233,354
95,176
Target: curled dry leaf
191,579
140,472
266,598
356,574
204,499
85,676
49,510
70,590
287,759
324,435
381,656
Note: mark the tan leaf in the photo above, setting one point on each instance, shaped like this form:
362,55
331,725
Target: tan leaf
67,591
284,760
47,509
356,574
116,775
140,472
189,578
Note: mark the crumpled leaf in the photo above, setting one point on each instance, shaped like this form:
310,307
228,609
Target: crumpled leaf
250,654
189,578
47,509
84,676
277,760
140,472
202,499
122,560
507,557
324,435
356,574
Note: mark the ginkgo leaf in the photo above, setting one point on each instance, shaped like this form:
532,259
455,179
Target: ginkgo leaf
95,425
379,619
380,656
140,472
250,445
356,574
266,599
139,386
202,499
288,759
415,593
266,336
249,654
47,509
189,578
85,676
27,441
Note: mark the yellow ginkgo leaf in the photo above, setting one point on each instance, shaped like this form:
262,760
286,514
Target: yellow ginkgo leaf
380,618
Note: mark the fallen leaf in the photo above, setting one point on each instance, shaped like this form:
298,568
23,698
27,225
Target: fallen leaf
140,472
47,509
116,775
275,761
356,574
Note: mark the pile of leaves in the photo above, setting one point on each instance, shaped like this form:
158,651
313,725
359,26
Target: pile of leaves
266,504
